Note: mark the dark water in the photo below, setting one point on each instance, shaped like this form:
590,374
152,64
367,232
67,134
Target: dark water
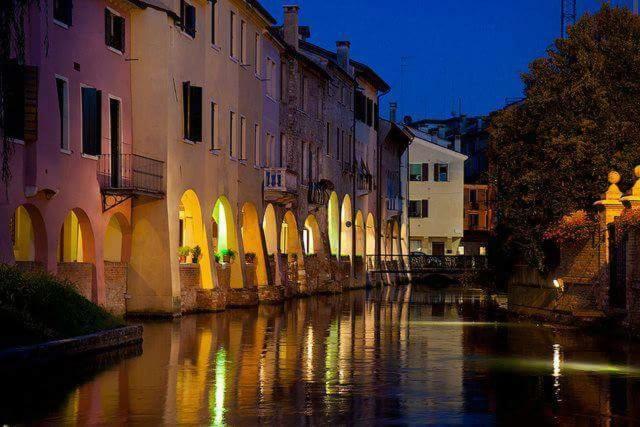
386,356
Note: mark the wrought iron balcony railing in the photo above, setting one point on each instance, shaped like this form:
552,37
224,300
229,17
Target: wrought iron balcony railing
126,175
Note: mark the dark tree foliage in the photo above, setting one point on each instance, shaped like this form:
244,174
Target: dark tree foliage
550,154
13,18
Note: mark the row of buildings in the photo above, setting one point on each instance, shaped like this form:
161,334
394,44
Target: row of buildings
173,156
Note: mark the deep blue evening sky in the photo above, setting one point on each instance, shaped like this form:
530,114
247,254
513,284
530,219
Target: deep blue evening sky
469,49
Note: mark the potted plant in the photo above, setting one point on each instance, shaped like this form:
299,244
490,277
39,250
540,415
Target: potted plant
226,255
250,258
183,253
196,253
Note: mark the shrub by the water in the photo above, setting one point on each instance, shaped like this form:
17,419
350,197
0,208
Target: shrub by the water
37,307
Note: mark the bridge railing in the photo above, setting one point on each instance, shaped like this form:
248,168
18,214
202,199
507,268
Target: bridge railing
430,263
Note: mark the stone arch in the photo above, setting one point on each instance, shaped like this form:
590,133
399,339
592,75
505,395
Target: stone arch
289,238
117,239
225,238
29,236
252,241
312,240
270,227
360,234
77,253
333,223
371,235
192,233
346,222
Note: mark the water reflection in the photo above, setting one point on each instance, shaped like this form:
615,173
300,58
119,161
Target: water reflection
394,355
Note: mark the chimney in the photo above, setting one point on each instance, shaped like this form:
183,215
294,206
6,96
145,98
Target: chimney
393,111
343,53
291,35
457,145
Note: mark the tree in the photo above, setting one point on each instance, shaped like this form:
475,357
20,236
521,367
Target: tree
580,118
13,16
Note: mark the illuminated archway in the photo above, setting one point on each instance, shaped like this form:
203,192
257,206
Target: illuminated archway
193,233
404,240
270,227
346,222
360,233
117,239
371,235
29,236
252,241
224,233
289,238
311,239
333,223
76,243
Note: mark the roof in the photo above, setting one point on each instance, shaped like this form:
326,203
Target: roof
162,6
392,131
361,69
311,48
276,33
426,139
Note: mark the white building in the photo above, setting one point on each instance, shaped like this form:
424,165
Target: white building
436,196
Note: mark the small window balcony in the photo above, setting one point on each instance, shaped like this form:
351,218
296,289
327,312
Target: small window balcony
280,185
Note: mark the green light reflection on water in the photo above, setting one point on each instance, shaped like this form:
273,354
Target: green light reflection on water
216,400
540,365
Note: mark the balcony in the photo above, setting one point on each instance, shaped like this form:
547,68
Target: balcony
318,193
394,204
280,186
364,184
124,176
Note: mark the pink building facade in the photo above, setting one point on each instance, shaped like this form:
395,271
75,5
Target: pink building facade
79,83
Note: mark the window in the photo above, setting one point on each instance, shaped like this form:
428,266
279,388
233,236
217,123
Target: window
232,30
91,121
419,172
214,126
376,116
415,209
257,149
232,134
192,109
188,18
441,172
243,138
328,139
474,221
361,107
283,151
14,88
114,30
257,55
418,209
305,162
473,196
369,112
268,152
243,42
214,18
63,12
303,92
62,87
271,78
338,143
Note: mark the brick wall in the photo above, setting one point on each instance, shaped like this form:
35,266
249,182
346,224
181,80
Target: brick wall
115,280
29,266
189,285
81,274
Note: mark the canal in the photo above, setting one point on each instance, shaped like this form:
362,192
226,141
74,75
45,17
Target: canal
390,355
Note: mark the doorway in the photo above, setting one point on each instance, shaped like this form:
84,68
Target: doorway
437,248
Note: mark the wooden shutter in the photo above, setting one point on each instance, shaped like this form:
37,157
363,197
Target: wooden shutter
30,103
97,142
108,24
186,91
376,116
425,209
425,171
191,20
119,33
195,113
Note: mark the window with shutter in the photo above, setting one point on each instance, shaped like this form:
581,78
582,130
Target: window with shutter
369,112
376,116
91,121
425,172
188,18
361,107
186,93
441,172
415,209
192,112
114,30
62,88
415,172
63,12
214,18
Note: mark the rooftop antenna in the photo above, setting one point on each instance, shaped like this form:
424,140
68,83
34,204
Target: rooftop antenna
567,15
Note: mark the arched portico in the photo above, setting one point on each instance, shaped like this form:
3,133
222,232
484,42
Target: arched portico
252,242
225,239
312,241
192,234
333,223
29,236
346,222
77,253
